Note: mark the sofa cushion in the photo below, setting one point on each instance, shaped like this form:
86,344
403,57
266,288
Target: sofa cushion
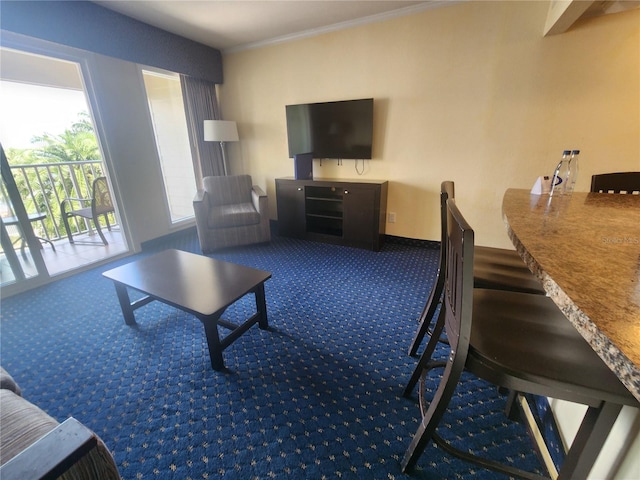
236,215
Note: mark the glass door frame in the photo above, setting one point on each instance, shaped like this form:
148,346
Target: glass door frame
33,244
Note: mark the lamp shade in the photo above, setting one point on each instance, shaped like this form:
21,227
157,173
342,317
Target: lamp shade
220,131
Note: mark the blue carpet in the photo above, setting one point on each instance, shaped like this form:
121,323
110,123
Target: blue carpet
317,396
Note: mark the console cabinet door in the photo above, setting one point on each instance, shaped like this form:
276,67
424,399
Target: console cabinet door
291,214
360,216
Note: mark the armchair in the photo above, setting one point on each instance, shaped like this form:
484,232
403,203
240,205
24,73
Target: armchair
230,211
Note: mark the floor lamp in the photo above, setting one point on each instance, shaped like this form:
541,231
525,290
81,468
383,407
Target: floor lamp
221,131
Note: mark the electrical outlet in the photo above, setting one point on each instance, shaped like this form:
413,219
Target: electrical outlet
391,217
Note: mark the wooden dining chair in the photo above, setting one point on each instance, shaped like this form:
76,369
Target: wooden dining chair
518,341
495,268
618,182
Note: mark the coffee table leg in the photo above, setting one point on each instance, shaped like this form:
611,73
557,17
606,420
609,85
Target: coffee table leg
125,304
261,306
213,341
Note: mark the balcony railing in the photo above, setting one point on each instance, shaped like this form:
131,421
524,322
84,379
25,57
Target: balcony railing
44,186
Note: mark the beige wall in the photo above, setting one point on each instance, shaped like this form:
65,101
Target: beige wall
470,92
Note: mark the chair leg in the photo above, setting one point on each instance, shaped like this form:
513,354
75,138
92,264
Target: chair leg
65,220
431,418
106,219
427,315
96,222
511,408
426,355
592,434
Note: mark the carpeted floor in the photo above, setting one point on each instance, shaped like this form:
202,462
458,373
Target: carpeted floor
316,396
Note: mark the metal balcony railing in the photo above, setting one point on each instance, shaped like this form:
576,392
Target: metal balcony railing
44,186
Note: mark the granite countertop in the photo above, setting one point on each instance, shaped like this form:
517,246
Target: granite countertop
585,248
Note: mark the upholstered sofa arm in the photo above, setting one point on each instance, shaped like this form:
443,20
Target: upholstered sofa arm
33,445
259,199
53,454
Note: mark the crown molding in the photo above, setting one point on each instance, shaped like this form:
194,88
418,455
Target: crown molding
380,17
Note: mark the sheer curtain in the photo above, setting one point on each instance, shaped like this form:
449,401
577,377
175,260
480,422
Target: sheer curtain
200,104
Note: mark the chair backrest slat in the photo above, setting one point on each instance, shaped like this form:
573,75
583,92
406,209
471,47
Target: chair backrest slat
618,182
458,298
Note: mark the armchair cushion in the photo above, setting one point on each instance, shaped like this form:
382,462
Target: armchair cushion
233,215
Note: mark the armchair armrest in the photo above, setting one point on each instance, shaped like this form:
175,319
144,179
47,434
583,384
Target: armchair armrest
76,199
200,194
51,455
201,208
259,199
66,205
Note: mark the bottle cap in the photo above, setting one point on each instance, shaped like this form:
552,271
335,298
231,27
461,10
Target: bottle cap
576,152
566,152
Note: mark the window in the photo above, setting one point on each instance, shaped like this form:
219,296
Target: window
166,106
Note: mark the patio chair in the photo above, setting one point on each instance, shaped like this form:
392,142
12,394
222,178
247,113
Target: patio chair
100,204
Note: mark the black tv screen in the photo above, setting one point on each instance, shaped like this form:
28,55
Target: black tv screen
341,129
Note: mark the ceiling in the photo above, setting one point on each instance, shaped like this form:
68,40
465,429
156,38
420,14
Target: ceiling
238,24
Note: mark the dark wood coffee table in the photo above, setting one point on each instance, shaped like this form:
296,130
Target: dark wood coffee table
199,285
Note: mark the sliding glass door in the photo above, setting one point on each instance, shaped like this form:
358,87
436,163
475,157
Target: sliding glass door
51,153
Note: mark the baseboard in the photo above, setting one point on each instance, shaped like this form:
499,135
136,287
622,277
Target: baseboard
412,242
536,413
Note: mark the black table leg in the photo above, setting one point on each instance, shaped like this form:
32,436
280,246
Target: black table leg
261,306
213,341
125,304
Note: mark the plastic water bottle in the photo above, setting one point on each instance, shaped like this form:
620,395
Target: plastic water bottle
574,167
561,174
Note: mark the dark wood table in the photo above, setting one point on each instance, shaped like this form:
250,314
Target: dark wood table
199,285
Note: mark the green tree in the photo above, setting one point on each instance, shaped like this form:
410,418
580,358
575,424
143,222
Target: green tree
75,144
41,187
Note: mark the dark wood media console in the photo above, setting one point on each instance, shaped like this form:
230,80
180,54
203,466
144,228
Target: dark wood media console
351,213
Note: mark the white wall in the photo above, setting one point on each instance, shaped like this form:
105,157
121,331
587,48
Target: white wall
127,138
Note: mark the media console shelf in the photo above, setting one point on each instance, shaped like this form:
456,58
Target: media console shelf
343,212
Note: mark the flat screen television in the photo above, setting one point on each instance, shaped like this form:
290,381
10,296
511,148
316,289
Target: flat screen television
342,129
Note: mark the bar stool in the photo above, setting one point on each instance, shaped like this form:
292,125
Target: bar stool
494,268
618,182
518,341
